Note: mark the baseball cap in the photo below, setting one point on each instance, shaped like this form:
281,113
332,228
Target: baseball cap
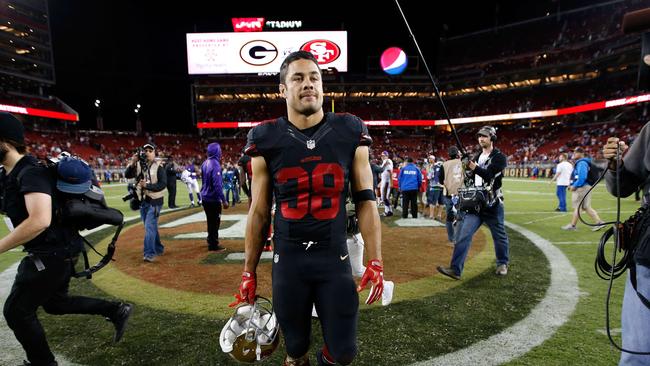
149,145
384,152
11,128
73,176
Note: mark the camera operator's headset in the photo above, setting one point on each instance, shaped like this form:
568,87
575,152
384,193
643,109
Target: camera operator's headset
603,269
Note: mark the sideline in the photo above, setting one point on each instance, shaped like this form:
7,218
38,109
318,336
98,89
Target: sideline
543,321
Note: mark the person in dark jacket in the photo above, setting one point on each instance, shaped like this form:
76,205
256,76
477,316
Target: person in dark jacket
633,174
212,194
170,170
410,180
486,172
43,276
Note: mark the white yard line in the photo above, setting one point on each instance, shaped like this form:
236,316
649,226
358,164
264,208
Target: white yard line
547,218
541,324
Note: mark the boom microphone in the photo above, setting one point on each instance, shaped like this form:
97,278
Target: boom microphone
636,21
435,86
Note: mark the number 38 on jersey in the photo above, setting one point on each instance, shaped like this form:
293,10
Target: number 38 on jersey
317,192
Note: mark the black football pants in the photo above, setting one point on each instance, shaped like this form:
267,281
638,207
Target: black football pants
47,288
213,219
171,189
320,275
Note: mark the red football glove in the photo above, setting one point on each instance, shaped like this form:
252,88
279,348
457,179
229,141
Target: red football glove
247,289
375,274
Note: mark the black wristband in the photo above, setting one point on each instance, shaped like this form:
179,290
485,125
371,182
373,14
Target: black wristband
365,195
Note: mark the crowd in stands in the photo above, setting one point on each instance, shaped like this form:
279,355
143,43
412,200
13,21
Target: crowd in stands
573,36
525,99
524,142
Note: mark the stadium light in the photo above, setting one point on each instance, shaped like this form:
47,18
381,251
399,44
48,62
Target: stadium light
138,105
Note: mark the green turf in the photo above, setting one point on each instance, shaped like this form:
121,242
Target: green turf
8,258
164,338
408,330
580,341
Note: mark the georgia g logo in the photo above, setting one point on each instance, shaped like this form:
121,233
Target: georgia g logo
258,53
325,51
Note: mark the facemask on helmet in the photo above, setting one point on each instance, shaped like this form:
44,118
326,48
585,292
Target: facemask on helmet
251,334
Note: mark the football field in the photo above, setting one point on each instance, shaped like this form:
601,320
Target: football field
549,310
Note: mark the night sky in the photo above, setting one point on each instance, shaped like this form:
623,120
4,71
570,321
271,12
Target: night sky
126,53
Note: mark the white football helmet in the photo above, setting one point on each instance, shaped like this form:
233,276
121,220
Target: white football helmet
251,334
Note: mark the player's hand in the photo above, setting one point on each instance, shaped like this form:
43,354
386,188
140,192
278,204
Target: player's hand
247,289
375,275
471,164
572,188
225,204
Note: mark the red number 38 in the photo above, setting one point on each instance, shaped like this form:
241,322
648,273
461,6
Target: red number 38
317,191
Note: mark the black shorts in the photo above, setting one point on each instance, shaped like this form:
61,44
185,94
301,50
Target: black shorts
320,275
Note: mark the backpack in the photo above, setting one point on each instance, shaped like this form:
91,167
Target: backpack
80,210
594,173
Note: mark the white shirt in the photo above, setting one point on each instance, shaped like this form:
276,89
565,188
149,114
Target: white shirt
478,181
386,173
186,176
564,170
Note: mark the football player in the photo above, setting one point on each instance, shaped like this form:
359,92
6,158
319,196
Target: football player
306,160
384,185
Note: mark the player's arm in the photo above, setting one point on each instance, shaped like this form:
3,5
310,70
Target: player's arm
369,224
259,218
366,209
259,214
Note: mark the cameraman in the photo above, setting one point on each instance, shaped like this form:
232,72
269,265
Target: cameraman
486,170
44,274
634,173
151,183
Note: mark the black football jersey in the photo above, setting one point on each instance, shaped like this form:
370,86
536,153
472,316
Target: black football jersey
310,174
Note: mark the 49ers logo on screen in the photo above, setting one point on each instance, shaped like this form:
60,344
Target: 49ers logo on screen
326,184
325,51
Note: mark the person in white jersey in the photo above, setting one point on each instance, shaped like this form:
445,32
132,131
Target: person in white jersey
563,178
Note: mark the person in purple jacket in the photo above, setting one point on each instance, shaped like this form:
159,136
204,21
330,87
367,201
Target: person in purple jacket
212,194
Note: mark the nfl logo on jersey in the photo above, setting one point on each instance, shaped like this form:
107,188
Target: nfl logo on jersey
311,144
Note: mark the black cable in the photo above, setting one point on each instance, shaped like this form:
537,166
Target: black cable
435,86
625,261
587,195
604,269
